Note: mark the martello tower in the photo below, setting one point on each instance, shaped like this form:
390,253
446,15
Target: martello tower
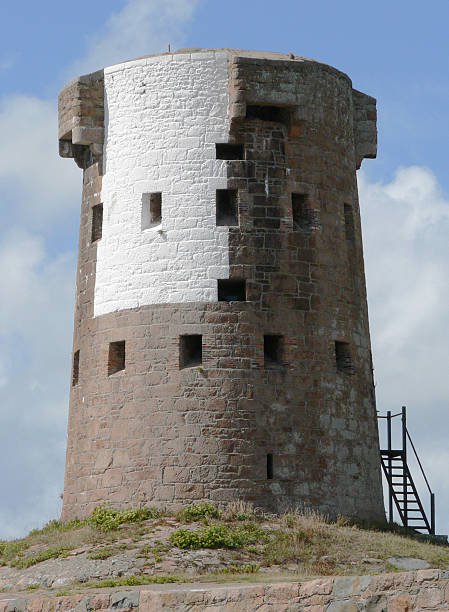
221,345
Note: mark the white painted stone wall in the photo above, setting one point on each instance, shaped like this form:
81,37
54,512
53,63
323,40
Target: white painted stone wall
163,118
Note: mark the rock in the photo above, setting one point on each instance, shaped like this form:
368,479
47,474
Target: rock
408,563
124,599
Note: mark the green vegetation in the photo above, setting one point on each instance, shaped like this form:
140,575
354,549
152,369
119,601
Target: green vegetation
42,555
106,551
107,518
217,536
297,543
156,550
196,512
243,568
133,581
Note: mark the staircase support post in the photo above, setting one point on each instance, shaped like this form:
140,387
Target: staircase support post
390,470
404,458
432,513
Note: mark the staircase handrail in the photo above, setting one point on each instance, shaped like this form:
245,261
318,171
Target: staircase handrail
418,460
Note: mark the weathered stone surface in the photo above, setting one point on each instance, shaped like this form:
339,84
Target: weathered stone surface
155,433
408,563
278,597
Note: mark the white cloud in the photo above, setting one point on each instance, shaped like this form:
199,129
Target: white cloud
406,230
34,181
36,301
140,28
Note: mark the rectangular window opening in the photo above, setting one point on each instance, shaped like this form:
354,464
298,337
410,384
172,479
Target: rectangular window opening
227,150
75,368
230,290
97,222
343,357
269,466
226,207
301,212
279,114
272,350
151,209
190,351
116,358
349,222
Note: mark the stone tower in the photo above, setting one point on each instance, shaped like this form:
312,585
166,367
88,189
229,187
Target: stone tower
221,345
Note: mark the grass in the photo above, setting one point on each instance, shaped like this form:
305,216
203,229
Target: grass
104,552
297,543
22,562
133,581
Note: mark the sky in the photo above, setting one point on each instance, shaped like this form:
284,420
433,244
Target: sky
395,51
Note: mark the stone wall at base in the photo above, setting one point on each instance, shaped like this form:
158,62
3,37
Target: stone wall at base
396,592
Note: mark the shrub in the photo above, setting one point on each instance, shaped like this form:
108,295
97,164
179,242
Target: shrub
106,518
10,550
216,536
196,512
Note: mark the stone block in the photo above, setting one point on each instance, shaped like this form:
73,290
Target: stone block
124,599
350,585
429,597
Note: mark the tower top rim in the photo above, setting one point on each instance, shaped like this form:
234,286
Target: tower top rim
251,54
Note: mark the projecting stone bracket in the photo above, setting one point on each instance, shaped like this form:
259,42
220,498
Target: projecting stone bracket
84,154
365,127
81,119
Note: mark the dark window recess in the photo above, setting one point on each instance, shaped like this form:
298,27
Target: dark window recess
97,222
151,209
231,290
343,357
76,368
349,222
116,358
225,150
302,213
279,114
269,466
226,207
190,351
272,350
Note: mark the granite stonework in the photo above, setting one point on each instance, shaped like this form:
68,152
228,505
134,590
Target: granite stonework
159,434
406,592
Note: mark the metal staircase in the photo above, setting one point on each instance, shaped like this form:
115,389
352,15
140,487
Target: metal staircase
401,487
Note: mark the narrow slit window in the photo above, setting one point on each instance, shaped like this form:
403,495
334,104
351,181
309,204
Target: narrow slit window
151,209
76,368
97,222
343,357
279,114
270,466
116,358
272,350
190,351
227,150
231,290
226,207
301,212
349,222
